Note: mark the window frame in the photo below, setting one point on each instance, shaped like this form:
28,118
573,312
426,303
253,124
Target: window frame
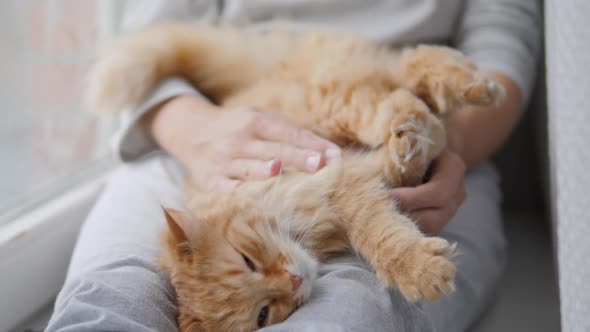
37,238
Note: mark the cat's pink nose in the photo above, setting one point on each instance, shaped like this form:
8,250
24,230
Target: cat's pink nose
296,281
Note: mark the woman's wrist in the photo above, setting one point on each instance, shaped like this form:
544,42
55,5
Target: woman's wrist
476,132
166,122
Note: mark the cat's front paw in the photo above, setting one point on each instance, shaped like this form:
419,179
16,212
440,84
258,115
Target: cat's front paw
416,137
426,273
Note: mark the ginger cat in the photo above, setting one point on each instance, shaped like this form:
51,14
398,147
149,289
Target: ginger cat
244,260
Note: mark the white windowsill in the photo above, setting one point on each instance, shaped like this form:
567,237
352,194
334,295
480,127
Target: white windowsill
35,250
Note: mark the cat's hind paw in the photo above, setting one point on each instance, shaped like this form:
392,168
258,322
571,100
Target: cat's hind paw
447,80
483,91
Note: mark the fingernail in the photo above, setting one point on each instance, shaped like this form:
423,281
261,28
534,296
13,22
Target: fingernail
333,153
313,162
275,167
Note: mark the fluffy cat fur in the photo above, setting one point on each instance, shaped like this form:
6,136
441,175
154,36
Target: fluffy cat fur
246,259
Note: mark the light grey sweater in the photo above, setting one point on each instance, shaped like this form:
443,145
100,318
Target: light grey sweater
501,35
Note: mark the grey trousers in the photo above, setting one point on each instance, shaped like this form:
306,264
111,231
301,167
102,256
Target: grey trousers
113,283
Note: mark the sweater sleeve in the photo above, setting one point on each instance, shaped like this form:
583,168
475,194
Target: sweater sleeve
502,35
130,142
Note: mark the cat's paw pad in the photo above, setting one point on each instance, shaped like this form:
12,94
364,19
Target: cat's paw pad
412,146
410,141
428,273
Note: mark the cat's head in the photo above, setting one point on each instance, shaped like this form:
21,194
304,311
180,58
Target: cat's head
234,269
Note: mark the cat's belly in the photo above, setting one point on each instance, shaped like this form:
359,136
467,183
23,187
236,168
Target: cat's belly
307,202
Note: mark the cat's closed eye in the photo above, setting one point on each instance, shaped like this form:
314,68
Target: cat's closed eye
262,316
248,262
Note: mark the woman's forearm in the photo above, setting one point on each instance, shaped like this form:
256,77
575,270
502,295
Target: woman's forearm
475,133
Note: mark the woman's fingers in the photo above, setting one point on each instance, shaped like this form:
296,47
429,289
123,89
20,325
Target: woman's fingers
225,184
279,130
421,197
461,195
218,183
249,169
431,221
301,159
433,204
238,171
446,181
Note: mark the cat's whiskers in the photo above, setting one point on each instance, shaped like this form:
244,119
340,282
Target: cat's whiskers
267,224
304,233
286,216
299,236
271,199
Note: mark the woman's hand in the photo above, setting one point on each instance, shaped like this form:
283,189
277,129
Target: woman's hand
435,202
223,148
475,133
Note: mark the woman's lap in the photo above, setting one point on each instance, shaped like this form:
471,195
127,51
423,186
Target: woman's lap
481,253
113,282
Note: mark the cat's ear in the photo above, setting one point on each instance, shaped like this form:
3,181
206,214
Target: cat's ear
194,327
175,219
177,222
188,324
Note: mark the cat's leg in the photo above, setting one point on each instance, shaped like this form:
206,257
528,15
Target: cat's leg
446,79
407,135
401,255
